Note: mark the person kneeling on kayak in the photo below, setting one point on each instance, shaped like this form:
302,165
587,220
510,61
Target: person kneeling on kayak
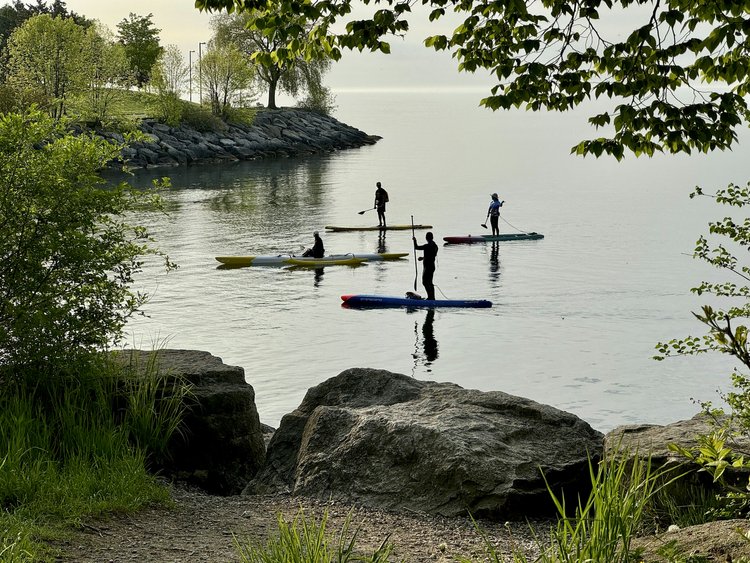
317,251
430,250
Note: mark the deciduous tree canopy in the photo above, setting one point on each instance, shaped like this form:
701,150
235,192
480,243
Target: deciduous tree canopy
677,76
286,74
141,41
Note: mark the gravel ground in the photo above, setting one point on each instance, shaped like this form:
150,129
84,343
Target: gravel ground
203,528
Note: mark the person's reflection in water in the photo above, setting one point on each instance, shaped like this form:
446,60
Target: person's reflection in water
318,276
495,262
429,342
429,351
381,242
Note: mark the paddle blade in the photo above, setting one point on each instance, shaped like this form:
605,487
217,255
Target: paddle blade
361,212
483,225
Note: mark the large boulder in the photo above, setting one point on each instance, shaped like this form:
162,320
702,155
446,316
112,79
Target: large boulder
221,446
390,441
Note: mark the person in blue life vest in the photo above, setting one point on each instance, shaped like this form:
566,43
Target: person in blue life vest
381,198
430,250
317,251
493,213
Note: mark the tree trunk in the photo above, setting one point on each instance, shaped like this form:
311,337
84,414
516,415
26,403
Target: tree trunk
272,93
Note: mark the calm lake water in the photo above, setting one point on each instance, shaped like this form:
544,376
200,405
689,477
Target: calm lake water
576,315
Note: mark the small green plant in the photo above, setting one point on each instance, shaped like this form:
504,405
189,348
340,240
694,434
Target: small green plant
304,540
713,454
672,553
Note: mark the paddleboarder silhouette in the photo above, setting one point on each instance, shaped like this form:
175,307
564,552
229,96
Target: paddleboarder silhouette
381,198
430,250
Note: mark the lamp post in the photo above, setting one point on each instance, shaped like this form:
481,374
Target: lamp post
200,75
190,68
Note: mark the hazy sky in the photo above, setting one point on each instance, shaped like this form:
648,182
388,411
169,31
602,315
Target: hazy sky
410,65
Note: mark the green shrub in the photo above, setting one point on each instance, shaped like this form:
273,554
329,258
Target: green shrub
169,108
244,116
69,257
201,118
319,99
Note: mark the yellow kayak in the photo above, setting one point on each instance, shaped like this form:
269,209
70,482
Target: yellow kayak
327,261
286,259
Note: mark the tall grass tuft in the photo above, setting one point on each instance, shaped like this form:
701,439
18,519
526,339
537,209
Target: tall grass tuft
304,540
155,404
602,526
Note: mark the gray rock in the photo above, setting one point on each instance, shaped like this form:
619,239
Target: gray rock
282,133
652,441
386,440
223,444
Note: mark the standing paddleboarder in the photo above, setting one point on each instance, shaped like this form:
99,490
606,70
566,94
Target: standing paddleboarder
430,250
494,213
381,198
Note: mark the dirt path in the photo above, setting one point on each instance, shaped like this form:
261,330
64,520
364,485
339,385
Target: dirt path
202,528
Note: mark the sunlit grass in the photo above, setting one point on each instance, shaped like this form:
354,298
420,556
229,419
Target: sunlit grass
306,540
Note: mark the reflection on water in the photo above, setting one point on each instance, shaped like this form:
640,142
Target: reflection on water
426,347
584,305
318,276
381,242
428,334
495,262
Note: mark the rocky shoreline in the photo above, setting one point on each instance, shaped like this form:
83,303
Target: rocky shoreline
406,459
279,133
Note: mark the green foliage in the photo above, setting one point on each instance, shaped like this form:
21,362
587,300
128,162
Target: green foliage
677,82
725,246
141,41
12,15
8,99
68,258
243,116
305,540
201,118
294,75
105,65
45,62
686,502
226,77
319,98
152,404
170,73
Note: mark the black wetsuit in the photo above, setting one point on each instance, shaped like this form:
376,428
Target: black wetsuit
317,250
430,250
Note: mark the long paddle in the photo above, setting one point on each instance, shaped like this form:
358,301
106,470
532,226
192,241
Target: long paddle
365,211
413,238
